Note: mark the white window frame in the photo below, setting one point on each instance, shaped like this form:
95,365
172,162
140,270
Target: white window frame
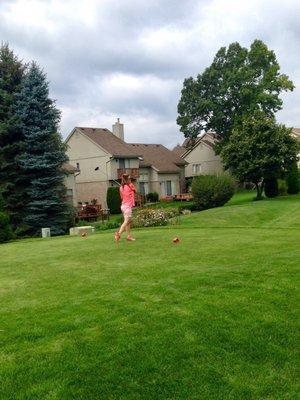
196,169
166,188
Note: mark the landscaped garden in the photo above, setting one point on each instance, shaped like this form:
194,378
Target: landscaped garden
212,317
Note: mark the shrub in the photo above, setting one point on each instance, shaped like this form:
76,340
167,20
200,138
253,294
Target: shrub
113,200
271,187
153,217
103,226
293,185
188,184
189,206
212,190
152,197
282,187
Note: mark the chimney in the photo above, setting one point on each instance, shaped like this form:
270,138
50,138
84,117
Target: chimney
118,129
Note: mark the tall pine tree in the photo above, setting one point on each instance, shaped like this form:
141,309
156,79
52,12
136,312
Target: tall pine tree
44,155
12,179
5,228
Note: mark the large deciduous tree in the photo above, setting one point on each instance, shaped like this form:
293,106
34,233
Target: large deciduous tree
238,82
44,155
259,149
12,178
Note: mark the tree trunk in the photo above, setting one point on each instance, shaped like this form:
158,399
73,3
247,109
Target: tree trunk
259,190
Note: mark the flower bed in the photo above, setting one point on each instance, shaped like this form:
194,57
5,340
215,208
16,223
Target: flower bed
153,217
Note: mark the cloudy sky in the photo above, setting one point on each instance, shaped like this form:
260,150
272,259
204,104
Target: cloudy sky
128,58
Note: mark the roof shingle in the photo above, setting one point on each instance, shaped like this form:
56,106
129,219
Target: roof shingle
179,150
158,156
108,141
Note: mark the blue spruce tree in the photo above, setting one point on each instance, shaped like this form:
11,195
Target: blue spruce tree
44,155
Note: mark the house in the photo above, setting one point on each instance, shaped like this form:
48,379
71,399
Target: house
161,170
199,155
296,135
102,156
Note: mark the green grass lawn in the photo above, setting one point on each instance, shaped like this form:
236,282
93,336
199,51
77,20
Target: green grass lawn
214,317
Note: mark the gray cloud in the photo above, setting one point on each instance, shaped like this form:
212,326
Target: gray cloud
128,59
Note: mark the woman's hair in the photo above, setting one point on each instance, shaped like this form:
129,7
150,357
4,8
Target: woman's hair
125,179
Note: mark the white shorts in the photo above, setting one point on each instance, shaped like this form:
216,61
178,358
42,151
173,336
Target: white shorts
126,211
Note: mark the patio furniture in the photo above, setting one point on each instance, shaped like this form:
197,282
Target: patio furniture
183,197
89,212
167,198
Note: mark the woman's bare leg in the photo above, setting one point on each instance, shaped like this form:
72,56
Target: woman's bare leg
124,226
128,227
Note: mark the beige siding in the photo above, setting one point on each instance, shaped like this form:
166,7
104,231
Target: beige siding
88,191
90,184
163,178
156,181
69,182
206,157
113,166
89,156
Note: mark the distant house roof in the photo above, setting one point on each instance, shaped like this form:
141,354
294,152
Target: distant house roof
179,150
158,157
190,144
70,169
109,142
296,132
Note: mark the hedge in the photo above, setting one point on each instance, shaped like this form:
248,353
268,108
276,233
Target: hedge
113,200
293,184
212,190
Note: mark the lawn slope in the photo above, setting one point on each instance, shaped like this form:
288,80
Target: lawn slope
214,317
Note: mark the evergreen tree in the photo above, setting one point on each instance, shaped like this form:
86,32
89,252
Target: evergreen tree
44,155
12,178
5,228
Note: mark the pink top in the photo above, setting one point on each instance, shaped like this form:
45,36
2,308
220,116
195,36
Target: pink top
127,194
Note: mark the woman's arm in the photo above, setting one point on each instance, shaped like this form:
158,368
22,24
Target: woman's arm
132,187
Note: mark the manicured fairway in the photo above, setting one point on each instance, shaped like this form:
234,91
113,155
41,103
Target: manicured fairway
214,317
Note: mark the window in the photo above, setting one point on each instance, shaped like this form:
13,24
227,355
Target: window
124,163
144,188
168,188
196,169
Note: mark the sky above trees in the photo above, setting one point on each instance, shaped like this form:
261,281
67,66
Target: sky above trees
107,59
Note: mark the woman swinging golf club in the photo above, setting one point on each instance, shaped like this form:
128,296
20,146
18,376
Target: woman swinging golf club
127,191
